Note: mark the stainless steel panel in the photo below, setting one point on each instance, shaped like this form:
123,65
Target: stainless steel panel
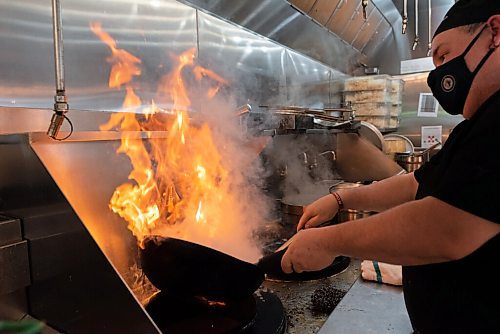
323,10
21,120
368,29
308,82
369,308
355,154
15,267
284,24
252,64
304,5
356,22
318,44
74,286
26,62
91,205
342,16
147,29
373,46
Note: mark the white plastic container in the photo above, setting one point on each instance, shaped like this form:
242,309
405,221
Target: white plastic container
357,96
369,82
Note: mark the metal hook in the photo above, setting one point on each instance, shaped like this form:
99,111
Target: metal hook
364,3
415,43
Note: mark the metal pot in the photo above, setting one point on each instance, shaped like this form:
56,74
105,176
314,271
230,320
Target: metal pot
292,205
409,161
292,208
350,214
413,161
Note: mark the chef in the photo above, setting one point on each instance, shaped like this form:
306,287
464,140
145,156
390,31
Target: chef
441,222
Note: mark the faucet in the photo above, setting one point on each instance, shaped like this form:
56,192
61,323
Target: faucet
334,156
244,109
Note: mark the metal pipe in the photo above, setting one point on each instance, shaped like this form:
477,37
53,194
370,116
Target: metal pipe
415,41
429,34
60,99
405,16
58,44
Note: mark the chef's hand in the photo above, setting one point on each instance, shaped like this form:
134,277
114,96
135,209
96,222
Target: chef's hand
307,252
318,212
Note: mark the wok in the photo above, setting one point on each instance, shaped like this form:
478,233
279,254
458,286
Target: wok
188,269
185,268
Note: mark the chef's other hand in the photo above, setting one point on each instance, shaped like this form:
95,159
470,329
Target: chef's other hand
318,212
307,252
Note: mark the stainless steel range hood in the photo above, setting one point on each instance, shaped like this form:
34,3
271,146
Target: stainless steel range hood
283,23
335,31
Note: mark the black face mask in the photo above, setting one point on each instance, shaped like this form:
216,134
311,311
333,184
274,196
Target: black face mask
450,83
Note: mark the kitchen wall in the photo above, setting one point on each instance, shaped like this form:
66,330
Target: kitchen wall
260,71
410,124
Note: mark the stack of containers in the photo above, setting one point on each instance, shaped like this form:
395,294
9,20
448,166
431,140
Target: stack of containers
376,99
397,86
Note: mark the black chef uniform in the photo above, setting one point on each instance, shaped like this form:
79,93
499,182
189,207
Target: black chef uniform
462,296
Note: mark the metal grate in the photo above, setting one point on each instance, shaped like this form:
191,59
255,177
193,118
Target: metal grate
427,105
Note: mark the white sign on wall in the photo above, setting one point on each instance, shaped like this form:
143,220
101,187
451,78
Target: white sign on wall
431,135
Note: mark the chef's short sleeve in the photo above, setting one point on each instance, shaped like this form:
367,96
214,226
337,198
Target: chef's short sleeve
471,178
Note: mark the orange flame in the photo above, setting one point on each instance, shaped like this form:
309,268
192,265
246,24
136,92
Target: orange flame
124,65
181,185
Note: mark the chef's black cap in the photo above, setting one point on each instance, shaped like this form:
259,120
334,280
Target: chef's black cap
466,12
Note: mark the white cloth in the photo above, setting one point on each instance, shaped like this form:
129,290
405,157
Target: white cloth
389,273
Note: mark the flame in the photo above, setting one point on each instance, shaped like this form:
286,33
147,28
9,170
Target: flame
124,65
199,214
180,186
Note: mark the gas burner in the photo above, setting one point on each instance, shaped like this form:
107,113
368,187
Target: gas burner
260,313
338,265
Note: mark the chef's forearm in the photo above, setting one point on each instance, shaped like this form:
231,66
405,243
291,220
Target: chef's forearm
419,232
382,195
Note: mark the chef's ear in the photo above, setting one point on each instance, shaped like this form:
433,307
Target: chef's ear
494,27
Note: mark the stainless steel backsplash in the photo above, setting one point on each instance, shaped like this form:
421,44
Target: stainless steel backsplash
260,71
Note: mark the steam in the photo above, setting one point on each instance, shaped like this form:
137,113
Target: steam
252,207
212,104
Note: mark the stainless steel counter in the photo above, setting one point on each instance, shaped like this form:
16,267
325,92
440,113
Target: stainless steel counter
369,308
366,308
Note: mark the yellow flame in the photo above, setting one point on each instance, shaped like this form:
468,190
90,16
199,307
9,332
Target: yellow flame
202,172
124,64
179,186
199,214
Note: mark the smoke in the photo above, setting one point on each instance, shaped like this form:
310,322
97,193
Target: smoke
232,224
240,155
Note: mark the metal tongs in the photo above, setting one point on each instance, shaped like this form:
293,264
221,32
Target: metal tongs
429,46
416,40
405,16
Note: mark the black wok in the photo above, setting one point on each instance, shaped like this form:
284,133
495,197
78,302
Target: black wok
189,269
185,268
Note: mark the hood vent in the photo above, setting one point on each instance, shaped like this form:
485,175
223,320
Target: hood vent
345,19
